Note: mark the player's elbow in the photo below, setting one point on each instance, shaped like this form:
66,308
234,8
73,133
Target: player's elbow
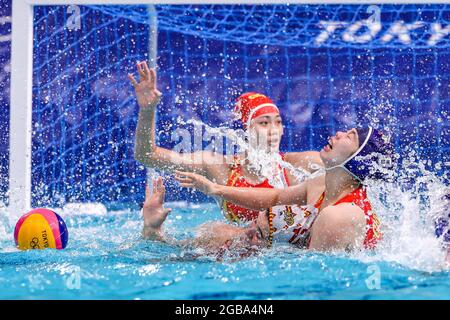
139,156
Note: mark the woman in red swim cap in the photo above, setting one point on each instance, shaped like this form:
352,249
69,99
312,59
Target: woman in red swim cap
260,117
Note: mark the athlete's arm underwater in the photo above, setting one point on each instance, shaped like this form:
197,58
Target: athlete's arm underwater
213,237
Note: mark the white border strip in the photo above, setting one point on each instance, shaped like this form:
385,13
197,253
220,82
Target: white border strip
219,2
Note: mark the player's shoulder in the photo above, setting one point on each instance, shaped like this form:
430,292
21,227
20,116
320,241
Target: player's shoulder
348,206
343,213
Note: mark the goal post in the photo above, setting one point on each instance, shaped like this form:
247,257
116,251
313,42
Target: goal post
21,91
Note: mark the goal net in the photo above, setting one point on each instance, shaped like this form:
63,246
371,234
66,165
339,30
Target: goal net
327,67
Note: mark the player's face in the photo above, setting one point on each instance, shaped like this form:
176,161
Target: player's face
266,132
257,232
224,232
246,241
255,235
339,148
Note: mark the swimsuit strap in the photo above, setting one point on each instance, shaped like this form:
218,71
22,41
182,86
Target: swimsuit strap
356,196
282,154
234,170
235,165
320,201
232,178
317,207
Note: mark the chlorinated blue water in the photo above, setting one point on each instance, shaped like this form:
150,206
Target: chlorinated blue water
107,259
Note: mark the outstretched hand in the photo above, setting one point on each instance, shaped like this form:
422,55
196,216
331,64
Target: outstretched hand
153,211
147,94
195,181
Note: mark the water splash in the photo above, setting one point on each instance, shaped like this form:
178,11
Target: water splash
267,165
409,209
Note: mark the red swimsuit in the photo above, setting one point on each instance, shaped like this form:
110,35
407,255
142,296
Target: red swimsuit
293,223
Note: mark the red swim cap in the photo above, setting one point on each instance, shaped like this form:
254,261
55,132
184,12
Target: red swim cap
251,105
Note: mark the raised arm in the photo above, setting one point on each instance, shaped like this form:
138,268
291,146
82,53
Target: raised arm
145,150
252,198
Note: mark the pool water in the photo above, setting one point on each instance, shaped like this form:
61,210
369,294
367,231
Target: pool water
107,259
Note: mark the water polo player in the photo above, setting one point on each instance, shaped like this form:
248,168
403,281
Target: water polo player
259,115
330,212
